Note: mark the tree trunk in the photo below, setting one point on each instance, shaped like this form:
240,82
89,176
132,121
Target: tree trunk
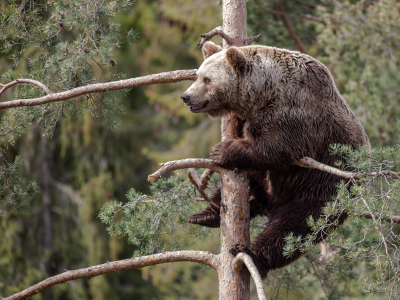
235,208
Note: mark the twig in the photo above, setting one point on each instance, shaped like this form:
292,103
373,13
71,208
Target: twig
183,164
202,257
54,35
249,40
216,31
246,259
166,77
195,180
314,18
205,177
389,219
30,81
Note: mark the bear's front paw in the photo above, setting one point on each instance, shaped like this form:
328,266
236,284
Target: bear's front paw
239,248
220,154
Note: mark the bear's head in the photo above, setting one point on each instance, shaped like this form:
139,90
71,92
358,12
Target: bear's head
216,90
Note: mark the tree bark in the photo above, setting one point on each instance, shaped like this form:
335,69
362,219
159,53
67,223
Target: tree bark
234,284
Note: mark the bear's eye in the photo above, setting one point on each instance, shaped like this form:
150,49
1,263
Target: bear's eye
206,80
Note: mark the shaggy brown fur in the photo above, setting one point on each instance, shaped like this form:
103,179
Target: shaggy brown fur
290,108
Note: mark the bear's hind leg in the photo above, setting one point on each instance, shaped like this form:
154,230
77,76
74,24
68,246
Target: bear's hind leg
267,250
210,216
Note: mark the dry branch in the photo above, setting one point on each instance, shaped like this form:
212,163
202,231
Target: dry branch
183,164
216,31
196,181
202,257
389,219
30,81
246,259
307,162
228,38
251,39
166,77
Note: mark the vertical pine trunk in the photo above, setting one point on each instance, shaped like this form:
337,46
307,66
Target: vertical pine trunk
235,208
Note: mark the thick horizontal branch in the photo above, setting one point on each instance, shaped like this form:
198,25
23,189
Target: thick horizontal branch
30,81
202,257
166,77
246,259
183,164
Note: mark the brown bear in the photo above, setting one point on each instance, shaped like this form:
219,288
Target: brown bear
290,108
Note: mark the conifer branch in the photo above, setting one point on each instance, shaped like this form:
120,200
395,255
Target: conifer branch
166,77
243,258
183,164
202,257
21,80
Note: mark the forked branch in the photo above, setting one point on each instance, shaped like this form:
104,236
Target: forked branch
202,257
166,77
228,38
200,183
243,258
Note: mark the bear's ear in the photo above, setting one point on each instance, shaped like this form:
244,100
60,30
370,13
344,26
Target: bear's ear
236,59
209,48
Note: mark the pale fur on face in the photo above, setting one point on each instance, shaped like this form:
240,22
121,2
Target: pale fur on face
212,90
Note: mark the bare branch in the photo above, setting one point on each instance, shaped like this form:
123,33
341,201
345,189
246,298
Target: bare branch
307,162
195,180
183,164
246,259
389,219
205,177
314,18
30,81
202,257
249,40
216,31
166,77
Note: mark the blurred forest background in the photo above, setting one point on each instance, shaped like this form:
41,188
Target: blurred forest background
86,164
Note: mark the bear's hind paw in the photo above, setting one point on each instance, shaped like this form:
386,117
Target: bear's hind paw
239,248
204,219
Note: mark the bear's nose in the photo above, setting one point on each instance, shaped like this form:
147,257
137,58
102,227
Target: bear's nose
185,98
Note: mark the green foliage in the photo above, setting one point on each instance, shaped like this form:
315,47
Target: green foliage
63,44
153,223
10,180
360,247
